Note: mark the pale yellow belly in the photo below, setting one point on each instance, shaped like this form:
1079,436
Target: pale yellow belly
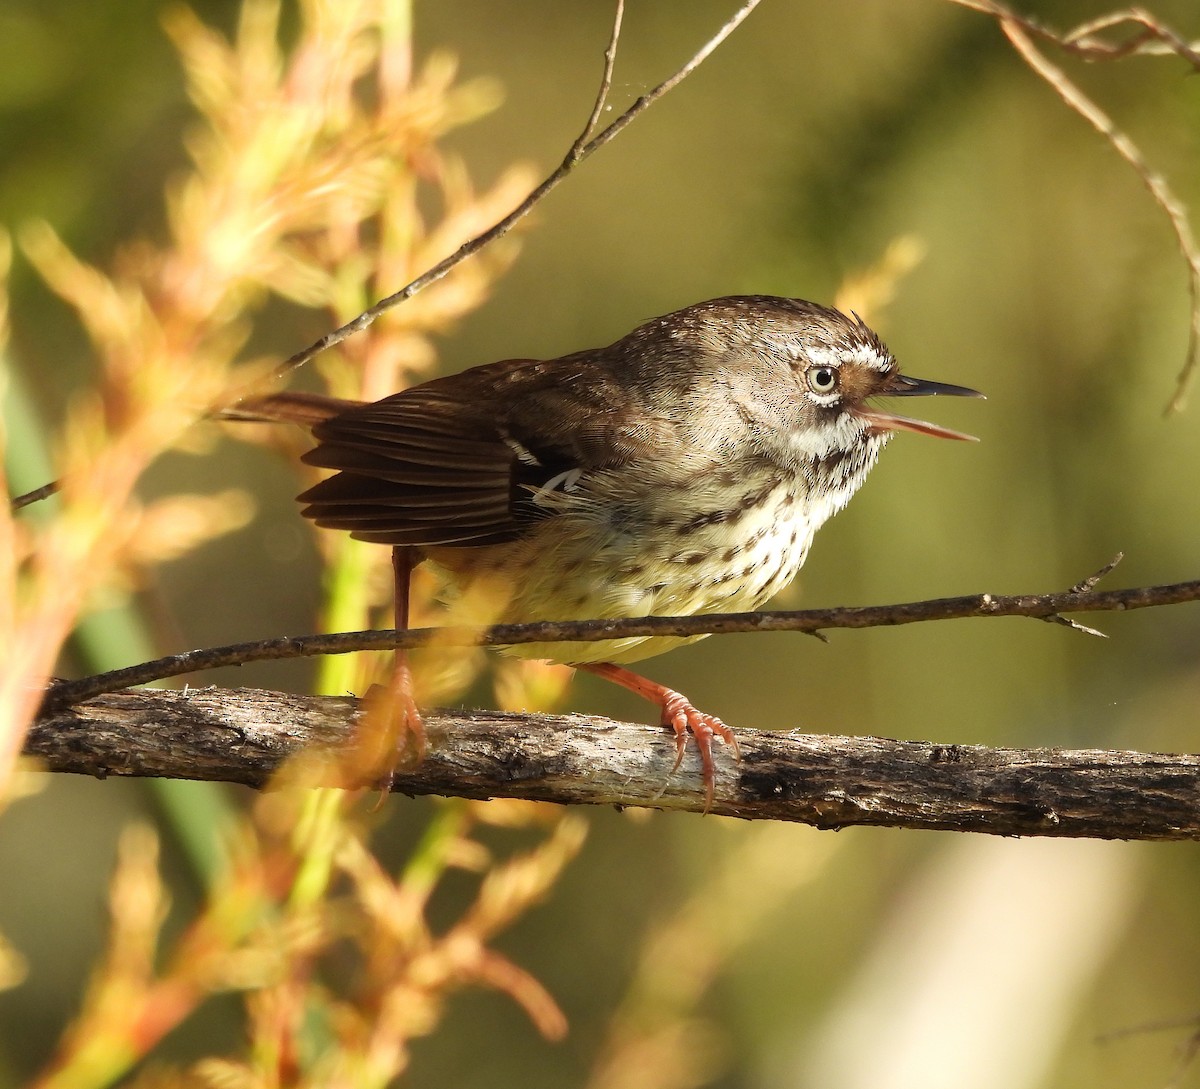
561,573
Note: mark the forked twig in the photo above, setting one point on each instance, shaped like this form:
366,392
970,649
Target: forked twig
1152,37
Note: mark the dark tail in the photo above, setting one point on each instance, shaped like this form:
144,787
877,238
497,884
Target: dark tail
306,409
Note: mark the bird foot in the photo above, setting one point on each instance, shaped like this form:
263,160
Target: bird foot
679,713
682,716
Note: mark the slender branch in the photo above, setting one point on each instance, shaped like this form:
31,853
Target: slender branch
610,62
245,736
35,496
1155,183
587,143
1049,607
1151,37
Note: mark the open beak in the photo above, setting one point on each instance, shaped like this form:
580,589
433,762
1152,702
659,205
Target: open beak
900,386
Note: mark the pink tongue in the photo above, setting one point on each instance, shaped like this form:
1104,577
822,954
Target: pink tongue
885,421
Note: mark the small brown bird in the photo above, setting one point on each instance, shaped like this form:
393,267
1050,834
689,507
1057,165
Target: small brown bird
683,469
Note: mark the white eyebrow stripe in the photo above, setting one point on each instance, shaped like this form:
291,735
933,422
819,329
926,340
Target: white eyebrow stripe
863,354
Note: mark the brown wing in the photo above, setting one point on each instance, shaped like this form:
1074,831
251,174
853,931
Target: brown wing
459,460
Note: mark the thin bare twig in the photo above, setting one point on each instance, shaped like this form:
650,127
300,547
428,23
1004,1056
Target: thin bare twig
1151,37
1188,1050
1074,625
1167,1024
610,62
588,142
1155,183
1089,583
1036,606
35,496
1083,41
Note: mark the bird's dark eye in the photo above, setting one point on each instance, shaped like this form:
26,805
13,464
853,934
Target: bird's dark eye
822,379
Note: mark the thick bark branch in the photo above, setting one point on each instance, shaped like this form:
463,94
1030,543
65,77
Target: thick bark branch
245,735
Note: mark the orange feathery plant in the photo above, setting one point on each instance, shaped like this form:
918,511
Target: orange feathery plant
301,157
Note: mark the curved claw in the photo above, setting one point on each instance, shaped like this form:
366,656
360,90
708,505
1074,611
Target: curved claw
678,713
684,718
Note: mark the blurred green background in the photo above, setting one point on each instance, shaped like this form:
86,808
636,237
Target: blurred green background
815,137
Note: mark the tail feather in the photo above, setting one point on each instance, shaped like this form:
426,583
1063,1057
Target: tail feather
307,409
